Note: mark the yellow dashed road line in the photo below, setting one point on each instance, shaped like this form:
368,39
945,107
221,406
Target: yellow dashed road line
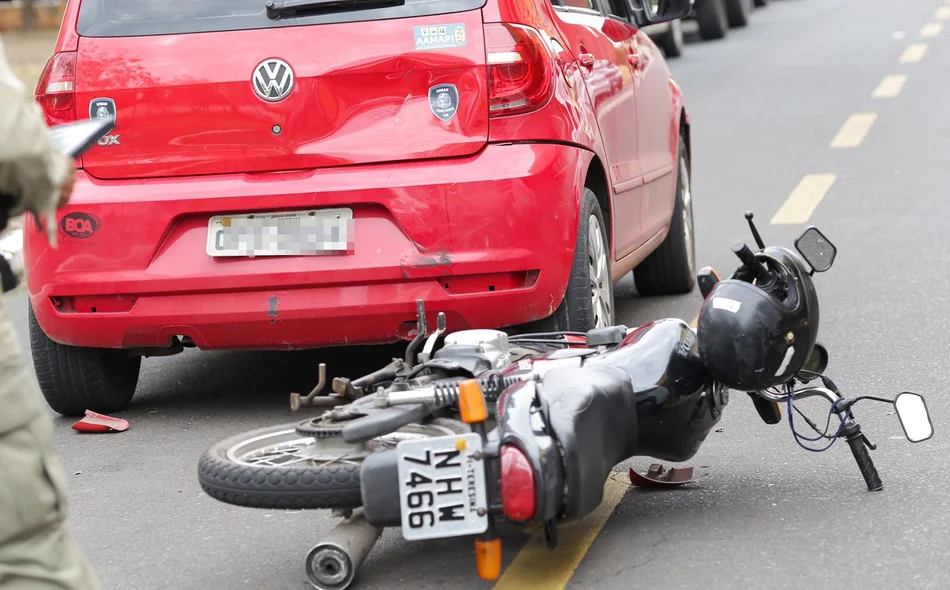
942,13
854,130
931,30
914,53
890,86
799,205
538,568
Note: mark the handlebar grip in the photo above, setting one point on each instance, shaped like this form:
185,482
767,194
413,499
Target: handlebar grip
762,274
865,464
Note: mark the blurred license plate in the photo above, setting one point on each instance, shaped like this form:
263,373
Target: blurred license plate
442,487
291,233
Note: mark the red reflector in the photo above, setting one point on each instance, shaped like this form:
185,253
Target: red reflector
56,89
520,74
517,485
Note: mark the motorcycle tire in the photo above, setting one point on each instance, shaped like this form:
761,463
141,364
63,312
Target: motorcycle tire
325,481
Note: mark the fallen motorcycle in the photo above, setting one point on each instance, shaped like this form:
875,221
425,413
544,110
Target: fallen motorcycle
527,428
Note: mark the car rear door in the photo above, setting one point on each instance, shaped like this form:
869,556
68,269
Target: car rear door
600,42
654,106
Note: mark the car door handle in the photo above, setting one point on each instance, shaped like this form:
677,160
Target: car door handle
587,60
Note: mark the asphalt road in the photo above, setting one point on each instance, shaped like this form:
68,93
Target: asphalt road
767,103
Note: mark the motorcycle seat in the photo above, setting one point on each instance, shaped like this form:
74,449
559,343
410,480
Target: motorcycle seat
594,417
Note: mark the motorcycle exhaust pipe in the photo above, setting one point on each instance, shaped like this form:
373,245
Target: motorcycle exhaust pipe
332,564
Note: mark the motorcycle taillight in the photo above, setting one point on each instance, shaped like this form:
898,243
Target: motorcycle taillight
518,488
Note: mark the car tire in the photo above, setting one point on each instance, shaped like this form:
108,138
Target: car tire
671,268
671,42
738,12
712,19
761,3
588,302
74,379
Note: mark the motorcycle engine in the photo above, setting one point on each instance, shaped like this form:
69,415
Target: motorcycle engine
491,344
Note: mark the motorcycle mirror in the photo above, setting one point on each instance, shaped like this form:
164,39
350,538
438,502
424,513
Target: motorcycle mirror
816,249
816,362
915,419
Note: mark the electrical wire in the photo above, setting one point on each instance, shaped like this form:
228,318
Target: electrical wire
799,438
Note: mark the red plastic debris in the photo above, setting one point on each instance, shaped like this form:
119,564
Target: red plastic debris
94,422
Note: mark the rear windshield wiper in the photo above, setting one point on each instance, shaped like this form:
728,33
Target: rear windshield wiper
279,8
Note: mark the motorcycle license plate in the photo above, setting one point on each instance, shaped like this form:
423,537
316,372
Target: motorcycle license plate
442,487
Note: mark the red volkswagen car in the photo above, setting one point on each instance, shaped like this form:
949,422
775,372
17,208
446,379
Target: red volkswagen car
288,174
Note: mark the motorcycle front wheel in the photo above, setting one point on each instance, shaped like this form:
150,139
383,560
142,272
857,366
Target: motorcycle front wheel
275,467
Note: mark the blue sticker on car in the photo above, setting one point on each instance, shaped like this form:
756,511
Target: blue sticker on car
440,36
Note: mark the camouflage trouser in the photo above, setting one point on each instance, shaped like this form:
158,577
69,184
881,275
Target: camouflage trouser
36,550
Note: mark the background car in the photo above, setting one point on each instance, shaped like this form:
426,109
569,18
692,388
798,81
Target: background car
299,177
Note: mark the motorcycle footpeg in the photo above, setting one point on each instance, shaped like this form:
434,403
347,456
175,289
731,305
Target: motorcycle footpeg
769,411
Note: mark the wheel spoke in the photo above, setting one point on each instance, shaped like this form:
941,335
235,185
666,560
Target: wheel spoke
599,274
286,448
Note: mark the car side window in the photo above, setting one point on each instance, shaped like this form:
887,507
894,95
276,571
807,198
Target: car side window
582,4
618,9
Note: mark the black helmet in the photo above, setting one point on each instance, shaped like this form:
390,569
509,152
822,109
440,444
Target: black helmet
752,338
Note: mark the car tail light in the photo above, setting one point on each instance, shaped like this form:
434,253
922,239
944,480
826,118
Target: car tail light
520,72
518,489
56,89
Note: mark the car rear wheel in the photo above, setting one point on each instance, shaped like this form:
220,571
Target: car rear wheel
712,19
738,12
74,379
670,269
761,3
589,299
671,42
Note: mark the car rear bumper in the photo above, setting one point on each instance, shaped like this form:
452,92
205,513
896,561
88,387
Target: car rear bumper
488,239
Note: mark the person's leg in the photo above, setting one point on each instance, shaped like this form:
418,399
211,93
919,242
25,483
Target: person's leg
36,550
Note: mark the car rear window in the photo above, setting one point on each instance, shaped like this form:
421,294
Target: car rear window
130,18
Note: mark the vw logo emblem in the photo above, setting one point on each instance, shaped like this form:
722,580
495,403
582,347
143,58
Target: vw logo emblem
273,80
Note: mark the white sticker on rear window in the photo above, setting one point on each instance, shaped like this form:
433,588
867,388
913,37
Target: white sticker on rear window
440,36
